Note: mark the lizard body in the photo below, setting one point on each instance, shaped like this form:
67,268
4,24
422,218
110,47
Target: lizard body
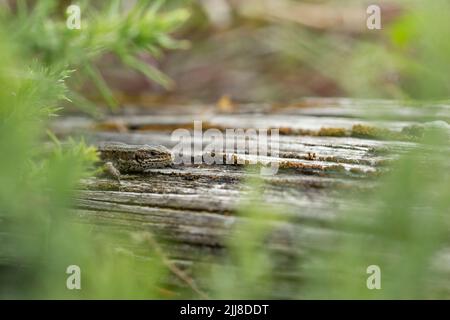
124,158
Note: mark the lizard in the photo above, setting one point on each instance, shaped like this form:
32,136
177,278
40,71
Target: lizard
121,158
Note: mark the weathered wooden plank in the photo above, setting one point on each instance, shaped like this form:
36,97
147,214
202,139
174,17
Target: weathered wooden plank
203,230
368,109
311,153
327,147
331,107
288,124
297,206
286,142
218,182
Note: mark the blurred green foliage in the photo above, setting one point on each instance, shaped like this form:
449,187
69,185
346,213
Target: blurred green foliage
280,50
249,271
407,59
402,227
107,27
410,62
39,232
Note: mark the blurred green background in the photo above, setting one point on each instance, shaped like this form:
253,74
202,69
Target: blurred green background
186,51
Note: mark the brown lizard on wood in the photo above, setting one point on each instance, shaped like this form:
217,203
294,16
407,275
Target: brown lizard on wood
121,158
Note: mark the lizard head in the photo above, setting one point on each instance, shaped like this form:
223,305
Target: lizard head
153,155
